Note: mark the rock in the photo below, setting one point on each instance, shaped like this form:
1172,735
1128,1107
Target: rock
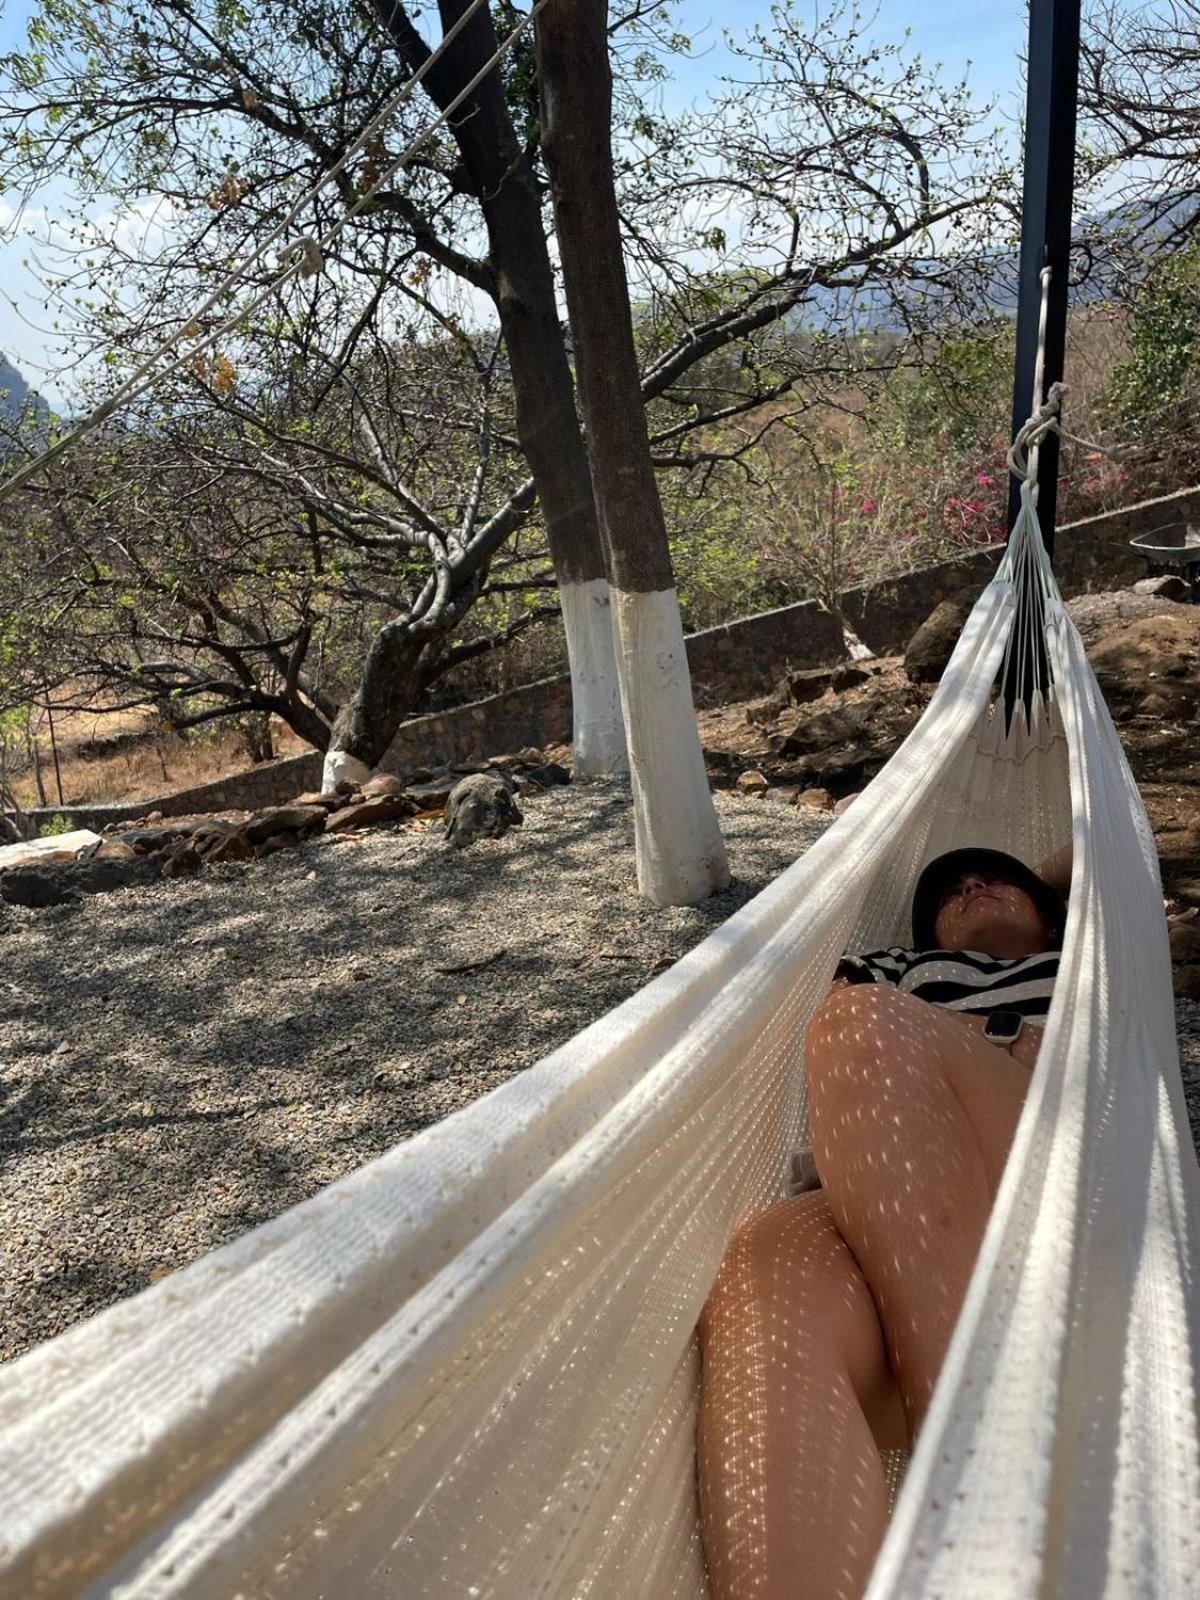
51,886
327,799
931,647
287,840
1185,939
26,852
283,819
432,794
114,850
798,688
212,829
752,783
821,730
1187,982
101,877
148,841
182,860
36,886
533,755
815,799
233,847
365,813
847,677
766,711
844,804
1155,655
382,783
549,775
1166,703
1099,615
1167,587
847,767
480,807
786,796
1189,890
42,858
154,816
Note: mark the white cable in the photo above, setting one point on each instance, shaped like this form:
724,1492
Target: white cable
1039,374
305,255
1046,415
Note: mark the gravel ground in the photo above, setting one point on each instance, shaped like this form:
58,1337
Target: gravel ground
181,1062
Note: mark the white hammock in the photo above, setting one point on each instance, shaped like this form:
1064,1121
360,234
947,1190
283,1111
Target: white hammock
469,1369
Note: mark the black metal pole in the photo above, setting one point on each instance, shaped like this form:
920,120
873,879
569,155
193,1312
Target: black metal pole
1046,225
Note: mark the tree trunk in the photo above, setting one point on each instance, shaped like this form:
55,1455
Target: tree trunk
502,180
367,723
680,853
303,719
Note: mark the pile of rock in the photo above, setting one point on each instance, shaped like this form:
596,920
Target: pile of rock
265,833
823,734
151,847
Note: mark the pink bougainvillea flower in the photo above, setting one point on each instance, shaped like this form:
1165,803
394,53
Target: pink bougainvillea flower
985,480
868,507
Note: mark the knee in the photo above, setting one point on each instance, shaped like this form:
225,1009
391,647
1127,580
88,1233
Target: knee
789,1276
859,1034
855,1021
769,1255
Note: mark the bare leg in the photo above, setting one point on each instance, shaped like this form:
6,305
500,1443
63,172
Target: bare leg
912,1117
796,1389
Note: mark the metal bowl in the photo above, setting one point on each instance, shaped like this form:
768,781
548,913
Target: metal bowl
1177,542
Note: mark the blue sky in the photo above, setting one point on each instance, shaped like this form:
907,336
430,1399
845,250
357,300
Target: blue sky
989,35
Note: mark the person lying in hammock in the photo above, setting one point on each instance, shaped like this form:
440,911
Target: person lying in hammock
823,1335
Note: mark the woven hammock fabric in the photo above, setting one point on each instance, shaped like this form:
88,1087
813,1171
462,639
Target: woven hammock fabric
470,1369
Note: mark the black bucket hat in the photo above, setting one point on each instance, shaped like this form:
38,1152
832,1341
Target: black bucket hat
945,870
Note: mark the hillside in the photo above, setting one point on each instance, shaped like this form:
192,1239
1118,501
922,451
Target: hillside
15,393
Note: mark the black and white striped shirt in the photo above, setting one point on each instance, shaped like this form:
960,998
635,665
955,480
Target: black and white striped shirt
961,980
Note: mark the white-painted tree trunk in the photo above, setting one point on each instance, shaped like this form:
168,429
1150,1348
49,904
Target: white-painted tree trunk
341,767
598,738
680,853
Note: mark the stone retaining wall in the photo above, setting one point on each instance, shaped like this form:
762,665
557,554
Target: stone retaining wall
734,661
1089,555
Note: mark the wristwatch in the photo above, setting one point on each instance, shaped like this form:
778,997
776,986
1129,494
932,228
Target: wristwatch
1004,1028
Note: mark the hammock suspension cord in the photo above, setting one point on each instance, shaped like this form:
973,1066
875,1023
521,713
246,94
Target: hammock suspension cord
1046,415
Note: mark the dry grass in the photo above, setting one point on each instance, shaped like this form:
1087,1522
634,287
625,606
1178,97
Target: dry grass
154,765
1097,343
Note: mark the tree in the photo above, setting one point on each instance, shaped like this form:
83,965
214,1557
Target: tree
201,123
1154,395
498,172
229,559
1139,101
163,94
680,853
15,826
